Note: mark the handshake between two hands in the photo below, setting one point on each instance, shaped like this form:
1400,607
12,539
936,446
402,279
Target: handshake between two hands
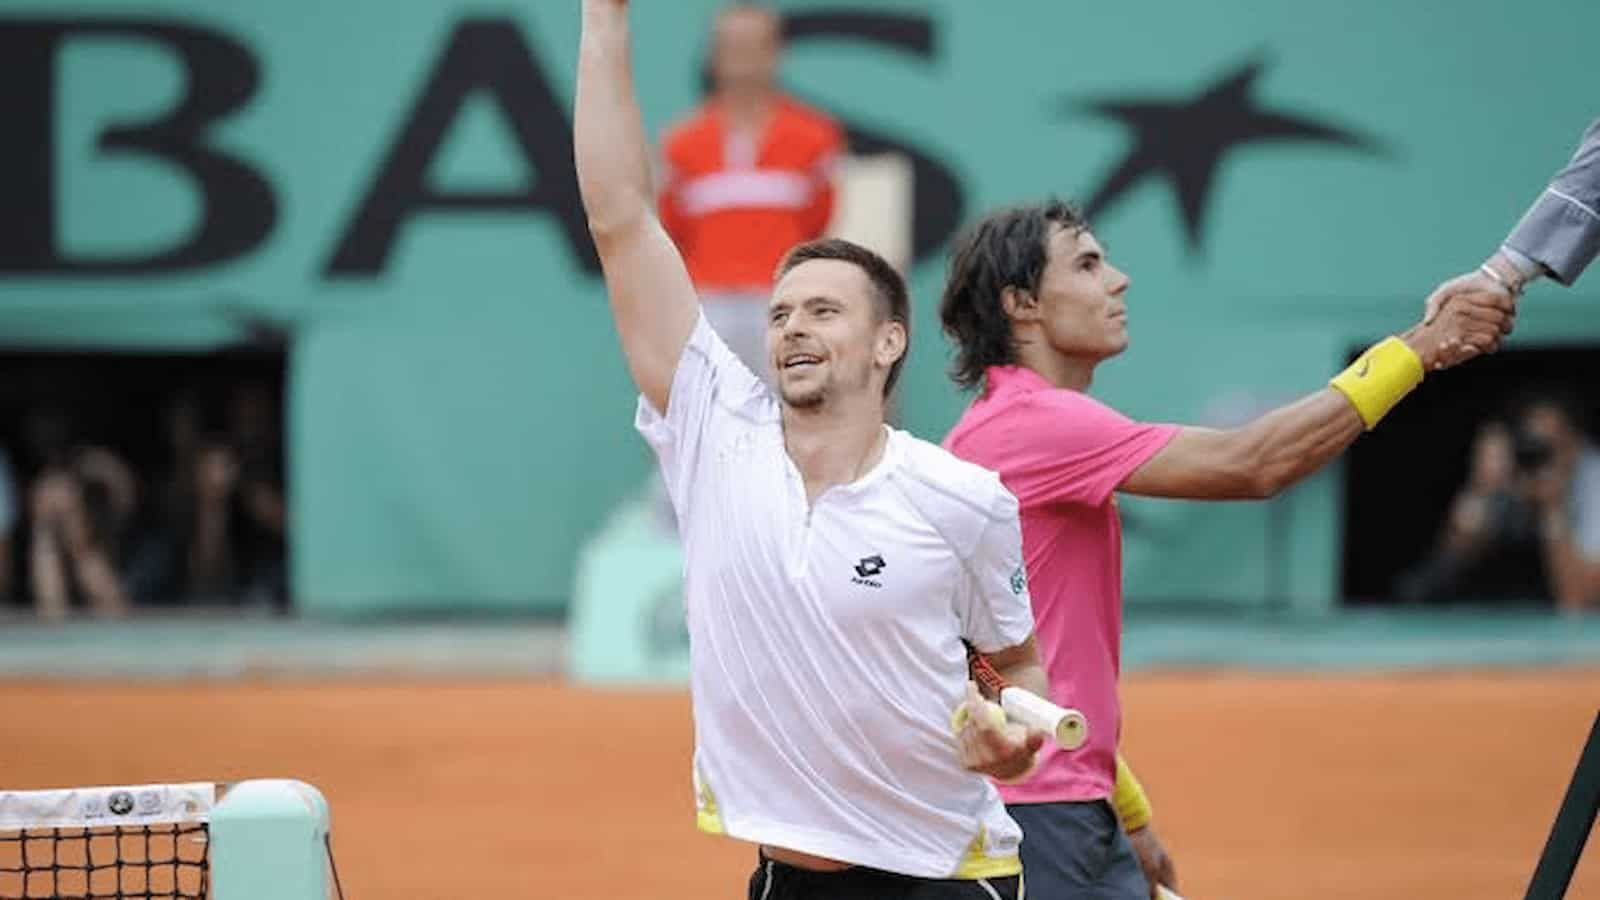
1467,316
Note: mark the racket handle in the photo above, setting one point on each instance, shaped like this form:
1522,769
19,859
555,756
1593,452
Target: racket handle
1166,893
1067,726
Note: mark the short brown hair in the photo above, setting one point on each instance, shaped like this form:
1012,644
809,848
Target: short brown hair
894,303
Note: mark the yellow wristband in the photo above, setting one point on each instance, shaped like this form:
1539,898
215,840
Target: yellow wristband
1379,379
1132,806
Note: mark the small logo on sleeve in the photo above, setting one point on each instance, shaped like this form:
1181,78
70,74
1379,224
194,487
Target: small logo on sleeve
1019,581
867,568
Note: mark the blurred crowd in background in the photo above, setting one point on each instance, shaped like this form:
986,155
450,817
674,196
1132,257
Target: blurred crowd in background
97,518
1526,524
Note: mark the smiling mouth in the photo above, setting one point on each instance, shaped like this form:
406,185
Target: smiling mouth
800,361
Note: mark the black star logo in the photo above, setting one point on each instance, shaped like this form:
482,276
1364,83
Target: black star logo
1185,141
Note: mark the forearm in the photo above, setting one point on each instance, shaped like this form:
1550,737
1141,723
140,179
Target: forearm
1255,461
1021,666
1561,231
651,296
1573,578
1293,441
101,582
1027,674
117,479
1280,448
610,149
209,559
47,571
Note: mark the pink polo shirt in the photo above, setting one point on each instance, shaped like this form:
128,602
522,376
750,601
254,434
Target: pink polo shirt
1063,454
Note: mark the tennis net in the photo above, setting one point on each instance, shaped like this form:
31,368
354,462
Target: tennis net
266,839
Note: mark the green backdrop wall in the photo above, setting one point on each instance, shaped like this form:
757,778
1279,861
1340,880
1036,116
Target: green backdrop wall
460,417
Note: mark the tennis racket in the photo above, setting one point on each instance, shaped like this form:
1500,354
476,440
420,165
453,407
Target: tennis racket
1067,727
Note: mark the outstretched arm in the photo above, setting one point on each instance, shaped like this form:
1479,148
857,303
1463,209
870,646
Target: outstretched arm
1559,235
1561,231
1285,445
652,299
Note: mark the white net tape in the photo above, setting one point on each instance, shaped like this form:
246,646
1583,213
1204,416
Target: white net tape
95,807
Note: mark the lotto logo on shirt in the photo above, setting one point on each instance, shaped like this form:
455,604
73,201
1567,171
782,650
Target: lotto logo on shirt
1019,581
868,567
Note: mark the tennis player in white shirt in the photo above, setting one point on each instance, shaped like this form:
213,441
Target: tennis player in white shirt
833,565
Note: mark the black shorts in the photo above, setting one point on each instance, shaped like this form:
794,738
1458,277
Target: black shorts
775,881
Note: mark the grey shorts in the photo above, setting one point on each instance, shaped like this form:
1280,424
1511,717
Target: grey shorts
1077,851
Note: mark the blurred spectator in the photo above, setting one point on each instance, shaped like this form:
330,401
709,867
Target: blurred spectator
747,176
154,569
1563,470
1527,523
80,501
1488,549
9,514
258,518
256,437
216,535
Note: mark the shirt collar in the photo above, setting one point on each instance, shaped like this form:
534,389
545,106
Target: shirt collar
1014,380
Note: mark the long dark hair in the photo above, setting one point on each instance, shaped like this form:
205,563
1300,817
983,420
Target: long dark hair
1005,249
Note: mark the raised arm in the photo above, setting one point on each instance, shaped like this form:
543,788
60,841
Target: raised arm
1278,449
652,299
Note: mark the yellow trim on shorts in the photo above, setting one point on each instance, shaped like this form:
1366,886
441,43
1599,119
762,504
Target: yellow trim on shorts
975,864
978,864
708,821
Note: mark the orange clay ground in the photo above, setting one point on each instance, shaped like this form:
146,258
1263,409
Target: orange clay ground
1424,787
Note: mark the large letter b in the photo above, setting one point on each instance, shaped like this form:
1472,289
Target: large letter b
237,206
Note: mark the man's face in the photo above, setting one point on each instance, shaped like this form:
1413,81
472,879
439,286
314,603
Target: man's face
1081,297
747,48
826,337
1551,425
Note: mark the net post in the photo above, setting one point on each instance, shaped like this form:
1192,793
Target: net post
269,842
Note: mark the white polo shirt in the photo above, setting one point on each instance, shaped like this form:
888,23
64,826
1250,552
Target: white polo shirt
825,640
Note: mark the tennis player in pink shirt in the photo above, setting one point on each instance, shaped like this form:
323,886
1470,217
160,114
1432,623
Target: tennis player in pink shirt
1034,306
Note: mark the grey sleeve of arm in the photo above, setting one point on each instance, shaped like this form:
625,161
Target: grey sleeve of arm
1562,229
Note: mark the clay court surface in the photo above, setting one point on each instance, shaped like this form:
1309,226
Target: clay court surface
1424,787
